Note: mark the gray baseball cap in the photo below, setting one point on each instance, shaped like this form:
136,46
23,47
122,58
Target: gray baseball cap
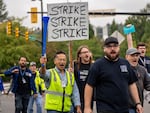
132,51
32,63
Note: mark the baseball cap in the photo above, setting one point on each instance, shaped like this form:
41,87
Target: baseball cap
111,40
132,51
32,63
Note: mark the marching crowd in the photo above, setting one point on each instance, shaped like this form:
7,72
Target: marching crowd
116,84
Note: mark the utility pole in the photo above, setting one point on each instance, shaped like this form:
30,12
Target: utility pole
41,12
42,16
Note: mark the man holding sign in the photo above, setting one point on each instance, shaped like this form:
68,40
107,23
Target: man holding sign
143,83
61,86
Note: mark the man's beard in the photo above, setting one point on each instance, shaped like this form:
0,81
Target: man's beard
112,58
22,65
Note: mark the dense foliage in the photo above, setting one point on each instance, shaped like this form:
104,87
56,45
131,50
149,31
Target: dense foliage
11,48
3,12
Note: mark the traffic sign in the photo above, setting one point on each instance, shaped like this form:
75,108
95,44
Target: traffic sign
119,36
32,38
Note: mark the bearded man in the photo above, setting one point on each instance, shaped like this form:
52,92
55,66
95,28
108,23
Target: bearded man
113,78
23,83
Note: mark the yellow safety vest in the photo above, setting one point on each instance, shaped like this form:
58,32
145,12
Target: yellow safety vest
54,94
39,82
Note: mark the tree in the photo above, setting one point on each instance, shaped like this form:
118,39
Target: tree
113,27
12,48
146,35
139,22
3,12
91,31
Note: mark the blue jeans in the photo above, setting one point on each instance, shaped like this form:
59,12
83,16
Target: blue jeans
132,110
21,103
38,100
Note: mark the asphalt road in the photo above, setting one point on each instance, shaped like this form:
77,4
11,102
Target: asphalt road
7,104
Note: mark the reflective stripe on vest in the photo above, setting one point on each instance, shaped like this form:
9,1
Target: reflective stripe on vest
54,94
57,93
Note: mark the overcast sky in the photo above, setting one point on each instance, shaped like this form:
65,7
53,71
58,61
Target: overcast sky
19,8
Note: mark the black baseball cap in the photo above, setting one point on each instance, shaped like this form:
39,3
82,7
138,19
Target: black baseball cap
111,40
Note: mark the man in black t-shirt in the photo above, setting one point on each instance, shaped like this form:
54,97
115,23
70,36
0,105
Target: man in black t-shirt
113,78
81,70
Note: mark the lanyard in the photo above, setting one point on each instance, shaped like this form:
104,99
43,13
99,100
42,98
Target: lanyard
22,73
143,61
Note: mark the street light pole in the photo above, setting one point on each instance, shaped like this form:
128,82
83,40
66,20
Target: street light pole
42,20
41,14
